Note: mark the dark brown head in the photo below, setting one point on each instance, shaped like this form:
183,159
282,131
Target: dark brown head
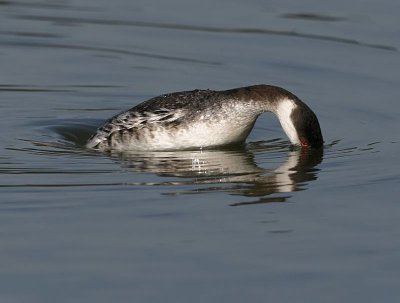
307,126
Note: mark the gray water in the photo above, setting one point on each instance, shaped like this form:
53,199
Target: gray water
262,223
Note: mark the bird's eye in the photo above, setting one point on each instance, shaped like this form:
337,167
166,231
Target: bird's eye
304,142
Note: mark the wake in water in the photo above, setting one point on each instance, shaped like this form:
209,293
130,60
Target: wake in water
265,170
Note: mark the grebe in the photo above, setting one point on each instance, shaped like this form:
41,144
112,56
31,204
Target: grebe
206,118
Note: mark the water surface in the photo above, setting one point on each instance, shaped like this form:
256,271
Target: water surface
262,222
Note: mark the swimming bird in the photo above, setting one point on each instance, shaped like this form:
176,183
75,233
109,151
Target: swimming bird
206,118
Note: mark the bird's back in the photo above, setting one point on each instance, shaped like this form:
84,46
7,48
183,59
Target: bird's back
157,123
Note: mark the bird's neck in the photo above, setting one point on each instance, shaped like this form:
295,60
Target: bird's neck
283,110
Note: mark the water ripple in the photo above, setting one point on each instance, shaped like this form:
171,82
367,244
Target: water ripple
261,171
198,28
313,17
105,50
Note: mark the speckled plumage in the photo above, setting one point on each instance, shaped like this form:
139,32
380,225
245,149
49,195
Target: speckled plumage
191,119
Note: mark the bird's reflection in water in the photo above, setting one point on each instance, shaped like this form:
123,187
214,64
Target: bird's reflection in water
262,170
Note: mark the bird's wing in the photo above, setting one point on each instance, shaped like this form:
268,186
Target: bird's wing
137,120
